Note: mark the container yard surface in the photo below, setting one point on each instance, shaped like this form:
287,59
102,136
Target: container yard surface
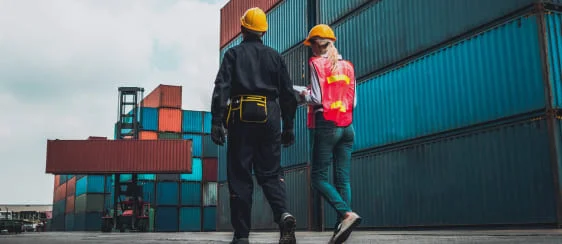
418,237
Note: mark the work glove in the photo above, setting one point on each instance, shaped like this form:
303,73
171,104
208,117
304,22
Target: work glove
218,135
288,137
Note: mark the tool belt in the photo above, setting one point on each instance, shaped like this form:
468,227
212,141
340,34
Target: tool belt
248,109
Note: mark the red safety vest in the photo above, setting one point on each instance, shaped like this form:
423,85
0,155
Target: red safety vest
337,89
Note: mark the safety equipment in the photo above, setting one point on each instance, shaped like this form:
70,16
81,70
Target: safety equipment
288,137
254,19
218,135
322,31
337,89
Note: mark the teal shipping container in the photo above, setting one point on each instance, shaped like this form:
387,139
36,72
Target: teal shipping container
58,223
191,193
296,60
473,81
553,37
89,203
222,159
197,144
223,208
88,221
196,171
90,184
496,174
207,121
210,149
166,219
190,219
235,42
148,191
192,121
297,183
148,119
69,222
288,25
331,10
129,177
210,219
167,193
59,208
298,153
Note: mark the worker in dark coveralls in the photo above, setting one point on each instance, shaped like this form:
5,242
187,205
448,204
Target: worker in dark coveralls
254,78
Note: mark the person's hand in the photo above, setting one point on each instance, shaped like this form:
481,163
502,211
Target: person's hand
288,137
218,134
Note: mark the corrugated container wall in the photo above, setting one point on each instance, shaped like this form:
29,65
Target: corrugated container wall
90,184
148,135
89,203
69,222
169,120
167,193
69,208
207,121
457,86
60,193
210,194
164,96
210,167
297,183
332,10
296,60
87,221
149,119
191,193
168,135
210,149
222,160
71,187
196,171
223,208
397,32
233,11
288,25
197,144
119,156
554,39
232,44
190,219
209,219
192,121
166,219
298,153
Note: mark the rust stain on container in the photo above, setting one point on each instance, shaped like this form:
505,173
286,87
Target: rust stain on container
148,135
69,204
210,169
233,11
71,187
169,120
118,156
164,96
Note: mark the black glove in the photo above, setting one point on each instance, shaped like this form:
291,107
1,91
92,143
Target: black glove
218,134
288,137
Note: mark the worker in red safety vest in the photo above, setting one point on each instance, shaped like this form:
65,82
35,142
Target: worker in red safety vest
331,100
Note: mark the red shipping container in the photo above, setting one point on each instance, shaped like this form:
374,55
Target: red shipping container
169,120
164,96
71,187
148,135
118,156
210,169
233,11
69,204
60,193
57,180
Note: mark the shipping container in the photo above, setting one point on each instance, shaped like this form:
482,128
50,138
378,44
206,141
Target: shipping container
71,187
147,177
69,208
207,121
443,182
288,25
192,121
69,222
63,179
58,223
296,60
553,38
210,219
167,193
197,142
210,149
109,200
123,178
331,10
148,135
210,167
89,203
168,177
60,193
148,192
59,207
222,160
169,120
297,184
262,215
473,81
298,153
191,193
148,118
169,136
90,184
166,219
87,221
190,219
210,194
223,208
398,32
164,96
120,156
231,13
196,171
232,44
57,180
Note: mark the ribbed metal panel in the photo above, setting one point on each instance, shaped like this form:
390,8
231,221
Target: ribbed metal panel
223,208
89,203
167,193
197,150
190,219
473,81
59,207
331,10
207,118
210,194
148,192
191,193
222,162
287,25
210,149
298,153
192,121
196,171
393,30
554,38
147,177
210,169
232,44
297,64
69,222
169,120
298,195
169,135
87,221
209,219
166,219
262,215
499,175
90,184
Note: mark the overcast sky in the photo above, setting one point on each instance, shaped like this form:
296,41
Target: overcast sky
61,62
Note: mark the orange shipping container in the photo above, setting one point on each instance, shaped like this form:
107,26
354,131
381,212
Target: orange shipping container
169,120
164,96
69,204
57,180
71,187
60,193
148,135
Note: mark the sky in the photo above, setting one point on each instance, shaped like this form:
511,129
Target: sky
62,61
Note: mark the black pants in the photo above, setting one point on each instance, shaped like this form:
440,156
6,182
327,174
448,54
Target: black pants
257,146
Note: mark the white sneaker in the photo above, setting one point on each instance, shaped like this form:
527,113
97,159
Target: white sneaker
345,228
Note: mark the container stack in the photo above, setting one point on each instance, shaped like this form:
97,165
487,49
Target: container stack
457,121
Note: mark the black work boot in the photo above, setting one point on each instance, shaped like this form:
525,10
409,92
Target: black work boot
240,241
287,226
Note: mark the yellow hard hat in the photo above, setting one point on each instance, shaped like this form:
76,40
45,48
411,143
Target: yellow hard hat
322,31
254,19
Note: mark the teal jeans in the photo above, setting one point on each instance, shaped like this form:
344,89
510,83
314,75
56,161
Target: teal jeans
333,147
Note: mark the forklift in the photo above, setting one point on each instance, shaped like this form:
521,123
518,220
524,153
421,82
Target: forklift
130,212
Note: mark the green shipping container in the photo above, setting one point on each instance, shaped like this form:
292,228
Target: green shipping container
89,203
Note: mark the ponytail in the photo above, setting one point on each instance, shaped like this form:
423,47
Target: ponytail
333,55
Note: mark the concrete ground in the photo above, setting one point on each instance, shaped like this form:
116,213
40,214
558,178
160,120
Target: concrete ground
418,237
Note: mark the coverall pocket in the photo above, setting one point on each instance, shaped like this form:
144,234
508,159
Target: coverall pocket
253,109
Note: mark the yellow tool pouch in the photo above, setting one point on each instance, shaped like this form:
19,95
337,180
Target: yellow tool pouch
250,108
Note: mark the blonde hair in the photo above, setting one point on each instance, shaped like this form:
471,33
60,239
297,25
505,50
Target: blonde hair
331,51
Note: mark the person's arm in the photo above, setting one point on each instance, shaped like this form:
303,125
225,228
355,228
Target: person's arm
287,99
314,95
221,92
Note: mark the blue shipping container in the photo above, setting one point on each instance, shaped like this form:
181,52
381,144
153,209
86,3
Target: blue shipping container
90,184
166,219
191,193
288,25
298,153
210,149
473,81
554,39
148,192
197,144
69,222
196,171
230,45
192,121
331,10
222,160
399,29
87,221
149,119
190,219
167,193
207,120
296,60
210,219
496,175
